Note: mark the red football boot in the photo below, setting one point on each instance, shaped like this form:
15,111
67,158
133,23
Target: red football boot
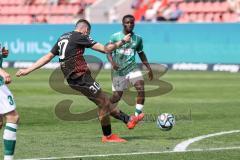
113,138
134,120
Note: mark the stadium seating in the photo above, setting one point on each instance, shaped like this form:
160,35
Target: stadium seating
40,11
65,11
194,10
214,11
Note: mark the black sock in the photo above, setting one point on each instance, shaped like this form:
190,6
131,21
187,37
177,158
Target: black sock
107,130
122,116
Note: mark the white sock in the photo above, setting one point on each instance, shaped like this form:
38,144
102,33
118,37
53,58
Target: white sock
8,157
139,108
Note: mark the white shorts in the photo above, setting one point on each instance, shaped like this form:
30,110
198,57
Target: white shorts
7,103
119,83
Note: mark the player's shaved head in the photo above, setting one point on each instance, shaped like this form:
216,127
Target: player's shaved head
82,23
127,16
83,26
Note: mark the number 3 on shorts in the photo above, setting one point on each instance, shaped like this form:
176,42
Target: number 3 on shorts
10,100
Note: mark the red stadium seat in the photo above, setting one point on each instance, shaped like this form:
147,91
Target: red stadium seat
200,17
209,17
5,10
184,18
217,18
10,20
216,7
25,9
18,10
61,9
207,7
3,19
53,9
226,17
89,1
224,6
39,2
199,7
229,17
46,9
193,17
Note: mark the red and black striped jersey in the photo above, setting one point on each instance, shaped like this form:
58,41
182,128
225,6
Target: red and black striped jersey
70,48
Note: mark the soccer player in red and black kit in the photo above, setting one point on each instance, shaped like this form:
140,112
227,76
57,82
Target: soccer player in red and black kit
70,49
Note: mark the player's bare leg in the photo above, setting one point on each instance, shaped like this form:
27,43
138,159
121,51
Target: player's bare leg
130,121
115,112
1,121
116,97
104,112
12,117
9,135
139,85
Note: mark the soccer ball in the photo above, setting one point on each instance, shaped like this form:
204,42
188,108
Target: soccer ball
165,121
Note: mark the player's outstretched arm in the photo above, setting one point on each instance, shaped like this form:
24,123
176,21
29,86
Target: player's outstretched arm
6,76
38,64
111,46
145,62
99,47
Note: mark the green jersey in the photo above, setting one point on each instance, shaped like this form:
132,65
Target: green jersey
1,61
124,56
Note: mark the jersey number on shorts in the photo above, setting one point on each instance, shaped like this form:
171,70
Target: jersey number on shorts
95,87
10,100
62,48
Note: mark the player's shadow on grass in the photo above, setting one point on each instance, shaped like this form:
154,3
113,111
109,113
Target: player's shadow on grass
58,83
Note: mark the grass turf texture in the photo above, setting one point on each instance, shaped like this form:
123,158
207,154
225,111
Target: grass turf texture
204,103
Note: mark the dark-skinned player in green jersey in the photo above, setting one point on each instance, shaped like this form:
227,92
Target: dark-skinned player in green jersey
125,69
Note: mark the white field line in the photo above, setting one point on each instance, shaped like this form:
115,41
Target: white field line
134,153
181,147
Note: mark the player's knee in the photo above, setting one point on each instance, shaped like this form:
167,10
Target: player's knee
13,117
141,97
140,88
141,93
104,102
115,98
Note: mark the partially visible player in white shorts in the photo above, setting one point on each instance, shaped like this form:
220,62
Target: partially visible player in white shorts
7,103
120,83
7,111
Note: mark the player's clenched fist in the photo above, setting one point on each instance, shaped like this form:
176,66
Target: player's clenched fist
5,76
22,72
127,37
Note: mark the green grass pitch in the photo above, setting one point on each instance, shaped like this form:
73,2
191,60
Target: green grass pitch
204,103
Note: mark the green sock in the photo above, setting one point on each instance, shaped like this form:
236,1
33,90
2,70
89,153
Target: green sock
9,139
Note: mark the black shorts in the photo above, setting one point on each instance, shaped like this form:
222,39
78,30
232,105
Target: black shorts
86,85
